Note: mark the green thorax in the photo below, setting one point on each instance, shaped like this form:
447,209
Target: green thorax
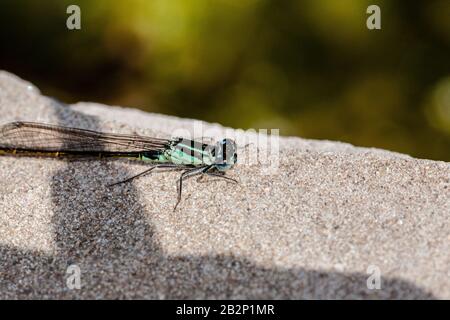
183,152
190,152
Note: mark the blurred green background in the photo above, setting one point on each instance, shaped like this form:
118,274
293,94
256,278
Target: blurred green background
310,68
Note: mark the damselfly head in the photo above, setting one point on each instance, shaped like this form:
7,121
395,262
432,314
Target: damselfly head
225,154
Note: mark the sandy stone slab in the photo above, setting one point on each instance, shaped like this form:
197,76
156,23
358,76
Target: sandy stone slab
310,228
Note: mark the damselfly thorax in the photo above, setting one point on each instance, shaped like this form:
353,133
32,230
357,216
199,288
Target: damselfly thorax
184,151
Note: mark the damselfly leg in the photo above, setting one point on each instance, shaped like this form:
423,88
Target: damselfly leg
215,175
220,175
189,174
171,167
195,172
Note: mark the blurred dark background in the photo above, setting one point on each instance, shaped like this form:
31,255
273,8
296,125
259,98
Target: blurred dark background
310,68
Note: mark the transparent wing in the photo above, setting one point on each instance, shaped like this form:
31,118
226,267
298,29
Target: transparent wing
53,138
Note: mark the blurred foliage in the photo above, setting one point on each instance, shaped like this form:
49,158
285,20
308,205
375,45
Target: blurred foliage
310,68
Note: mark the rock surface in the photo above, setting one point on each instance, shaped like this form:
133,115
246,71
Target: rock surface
327,220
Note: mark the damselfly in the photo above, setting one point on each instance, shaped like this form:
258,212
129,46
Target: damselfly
192,157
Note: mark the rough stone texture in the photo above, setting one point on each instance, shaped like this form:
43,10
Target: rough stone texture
310,229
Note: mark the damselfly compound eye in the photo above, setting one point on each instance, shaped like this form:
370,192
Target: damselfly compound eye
226,155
